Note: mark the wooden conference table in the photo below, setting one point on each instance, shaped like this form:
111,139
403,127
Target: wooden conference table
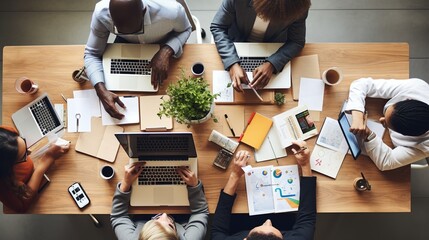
51,67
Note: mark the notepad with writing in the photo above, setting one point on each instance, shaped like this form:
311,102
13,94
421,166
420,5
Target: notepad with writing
256,130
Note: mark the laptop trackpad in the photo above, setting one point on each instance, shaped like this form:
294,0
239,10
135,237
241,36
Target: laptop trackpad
132,51
164,196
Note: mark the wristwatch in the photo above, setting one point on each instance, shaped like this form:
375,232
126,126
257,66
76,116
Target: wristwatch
370,137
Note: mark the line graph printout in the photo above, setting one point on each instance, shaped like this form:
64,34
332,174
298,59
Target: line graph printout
272,189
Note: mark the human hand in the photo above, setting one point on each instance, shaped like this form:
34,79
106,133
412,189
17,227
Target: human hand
108,99
262,75
53,152
240,160
358,126
302,156
160,64
188,176
132,171
238,76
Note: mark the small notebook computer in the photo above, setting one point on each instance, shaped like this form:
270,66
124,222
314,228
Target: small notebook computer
126,67
159,184
252,55
37,119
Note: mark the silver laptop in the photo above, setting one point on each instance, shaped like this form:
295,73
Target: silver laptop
37,119
159,184
126,67
253,55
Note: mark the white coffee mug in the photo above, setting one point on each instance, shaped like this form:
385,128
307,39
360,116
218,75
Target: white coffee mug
25,85
332,76
197,69
107,172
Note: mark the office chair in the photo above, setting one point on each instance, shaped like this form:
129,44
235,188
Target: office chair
195,23
421,166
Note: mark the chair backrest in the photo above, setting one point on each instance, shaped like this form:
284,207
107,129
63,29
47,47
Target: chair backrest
421,166
195,23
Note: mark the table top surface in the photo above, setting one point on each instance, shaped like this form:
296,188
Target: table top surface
51,67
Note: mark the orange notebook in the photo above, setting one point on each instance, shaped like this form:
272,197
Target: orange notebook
256,130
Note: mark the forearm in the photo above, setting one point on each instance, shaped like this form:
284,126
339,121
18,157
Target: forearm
231,184
119,218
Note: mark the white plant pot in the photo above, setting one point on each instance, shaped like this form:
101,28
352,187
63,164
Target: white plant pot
204,119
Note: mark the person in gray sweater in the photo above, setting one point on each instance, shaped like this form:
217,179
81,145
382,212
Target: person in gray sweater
162,225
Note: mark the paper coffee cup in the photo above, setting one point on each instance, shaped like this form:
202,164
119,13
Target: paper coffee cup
107,172
25,85
360,184
197,69
332,76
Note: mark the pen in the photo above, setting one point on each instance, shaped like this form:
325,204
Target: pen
229,125
300,150
63,97
256,93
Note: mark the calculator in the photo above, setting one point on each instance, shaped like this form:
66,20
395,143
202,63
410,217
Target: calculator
223,159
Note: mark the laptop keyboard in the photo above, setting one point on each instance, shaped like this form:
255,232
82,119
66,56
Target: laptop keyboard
45,115
164,144
250,63
160,175
130,66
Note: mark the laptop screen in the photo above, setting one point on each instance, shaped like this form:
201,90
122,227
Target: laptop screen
158,146
350,137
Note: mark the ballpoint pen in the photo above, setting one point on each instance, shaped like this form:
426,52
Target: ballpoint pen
229,125
254,90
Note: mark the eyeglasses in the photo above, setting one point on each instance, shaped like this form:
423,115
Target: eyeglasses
27,152
170,218
116,31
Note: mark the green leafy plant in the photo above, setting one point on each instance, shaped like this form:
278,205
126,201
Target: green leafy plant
279,98
190,99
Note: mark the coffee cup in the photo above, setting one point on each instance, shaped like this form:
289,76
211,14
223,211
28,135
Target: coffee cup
80,75
107,172
332,76
361,185
25,85
197,69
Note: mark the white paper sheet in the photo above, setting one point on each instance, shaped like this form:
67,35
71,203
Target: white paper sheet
311,93
131,112
271,148
221,80
77,109
92,101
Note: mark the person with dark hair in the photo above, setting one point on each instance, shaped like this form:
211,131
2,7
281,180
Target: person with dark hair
19,179
406,116
272,226
281,21
135,21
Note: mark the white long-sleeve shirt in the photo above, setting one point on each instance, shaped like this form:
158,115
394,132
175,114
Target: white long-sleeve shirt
165,22
408,149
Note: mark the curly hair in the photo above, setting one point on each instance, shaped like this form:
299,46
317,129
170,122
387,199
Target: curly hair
281,10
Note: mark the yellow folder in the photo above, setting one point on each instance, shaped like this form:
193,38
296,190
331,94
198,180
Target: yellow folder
256,130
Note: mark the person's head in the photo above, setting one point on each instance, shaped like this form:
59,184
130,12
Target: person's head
281,10
127,16
162,226
265,232
12,150
408,117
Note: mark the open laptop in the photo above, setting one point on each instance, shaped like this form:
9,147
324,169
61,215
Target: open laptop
162,152
37,119
252,55
126,67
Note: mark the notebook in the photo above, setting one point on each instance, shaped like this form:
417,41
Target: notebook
256,130
126,67
162,151
37,119
253,55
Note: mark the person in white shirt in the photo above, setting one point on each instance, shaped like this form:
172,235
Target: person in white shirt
406,115
135,21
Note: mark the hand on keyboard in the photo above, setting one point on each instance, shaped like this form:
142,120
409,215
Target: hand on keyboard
132,171
188,176
238,76
262,75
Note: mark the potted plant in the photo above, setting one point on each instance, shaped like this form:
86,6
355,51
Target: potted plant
190,101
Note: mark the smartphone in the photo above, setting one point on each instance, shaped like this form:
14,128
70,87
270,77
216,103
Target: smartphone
79,195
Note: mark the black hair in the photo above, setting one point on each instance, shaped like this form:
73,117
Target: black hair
8,153
262,236
410,117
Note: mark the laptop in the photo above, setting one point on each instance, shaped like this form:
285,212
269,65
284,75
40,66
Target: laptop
126,67
37,120
351,139
253,55
163,152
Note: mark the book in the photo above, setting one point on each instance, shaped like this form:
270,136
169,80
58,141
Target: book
294,124
272,189
256,130
149,120
270,148
100,142
330,149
